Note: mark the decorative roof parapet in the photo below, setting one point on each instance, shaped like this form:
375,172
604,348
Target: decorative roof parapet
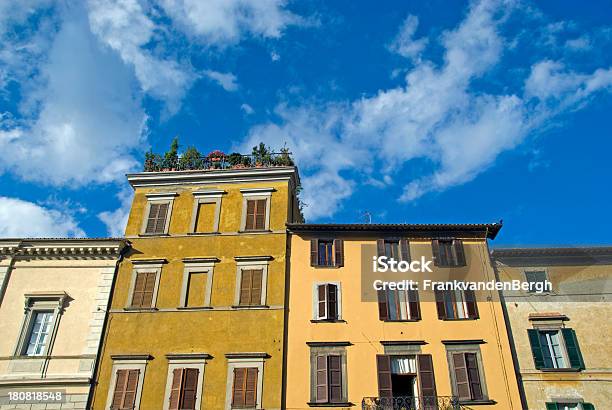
64,247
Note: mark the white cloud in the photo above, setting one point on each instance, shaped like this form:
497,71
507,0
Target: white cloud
225,80
437,116
247,109
116,220
20,218
579,43
224,22
405,44
274,56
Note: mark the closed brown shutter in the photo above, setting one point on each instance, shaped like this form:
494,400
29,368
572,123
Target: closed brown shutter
339,252
470,302
175,389
314,252
144,287
471,362
413,304
120,385
440,304
250,215
245,287
435,249
260,214
332,301
250,390
256,286
322,302
152,219
190,389
383,367
405,250
427,380
459,253
461,376
335,378
127,398
380,247
321,380
156,222
383,312
239,387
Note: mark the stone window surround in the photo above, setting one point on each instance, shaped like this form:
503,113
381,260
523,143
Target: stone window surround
536,269
331,348
242,360
553,324
207,197
128,362
251,262
315,299
158,198
145,265
255,193
197,265
35,302
186,360
466,348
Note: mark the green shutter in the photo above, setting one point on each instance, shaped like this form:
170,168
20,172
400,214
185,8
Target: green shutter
551,406
536,348
573,350
588,406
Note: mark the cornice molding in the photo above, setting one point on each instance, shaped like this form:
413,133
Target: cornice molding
64,248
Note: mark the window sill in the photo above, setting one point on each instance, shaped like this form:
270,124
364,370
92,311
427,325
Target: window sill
238,307
257,231
194,307
153,234
467,319
482,402
326,266
203,233
340,404
140,309
561,370
327,321
401,320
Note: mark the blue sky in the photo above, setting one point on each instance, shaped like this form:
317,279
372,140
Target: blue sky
407,111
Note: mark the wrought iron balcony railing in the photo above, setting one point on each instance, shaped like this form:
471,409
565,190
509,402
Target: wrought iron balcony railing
412,403
155,162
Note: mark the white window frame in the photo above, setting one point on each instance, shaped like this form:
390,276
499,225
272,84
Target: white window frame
315,300
138,362
254,262
36,303
197,266
255,194
536,269
206,197
239,363
181,361
158,198
562,346
145,266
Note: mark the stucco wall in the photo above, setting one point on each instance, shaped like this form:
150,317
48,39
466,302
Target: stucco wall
364,330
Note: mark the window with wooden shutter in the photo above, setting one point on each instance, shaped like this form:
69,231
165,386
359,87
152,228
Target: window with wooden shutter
255,214
184,389
126,385
328,379
338,252
156,220
536,348
251,287
398,305
456,304
572,348
383,367
448,252
427,380
468,385
327,301
144,288
244,388
314,252
325,253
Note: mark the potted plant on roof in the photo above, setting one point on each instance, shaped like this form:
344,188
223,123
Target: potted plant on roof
191,159
262,155
215,159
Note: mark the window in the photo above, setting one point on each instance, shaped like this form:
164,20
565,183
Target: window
145,283
144,287
448,252
328,373
250,287
535,277
126,385
206,211
244,388
42,312
157,214
327,301
256,209
467,376
398,305
409,376
184,381
197,282
456,304
126,381
398,249
555,349
327,252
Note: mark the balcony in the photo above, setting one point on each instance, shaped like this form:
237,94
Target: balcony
412,403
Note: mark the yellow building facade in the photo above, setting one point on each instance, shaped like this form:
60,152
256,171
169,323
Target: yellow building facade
198,309
398,349
560,336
